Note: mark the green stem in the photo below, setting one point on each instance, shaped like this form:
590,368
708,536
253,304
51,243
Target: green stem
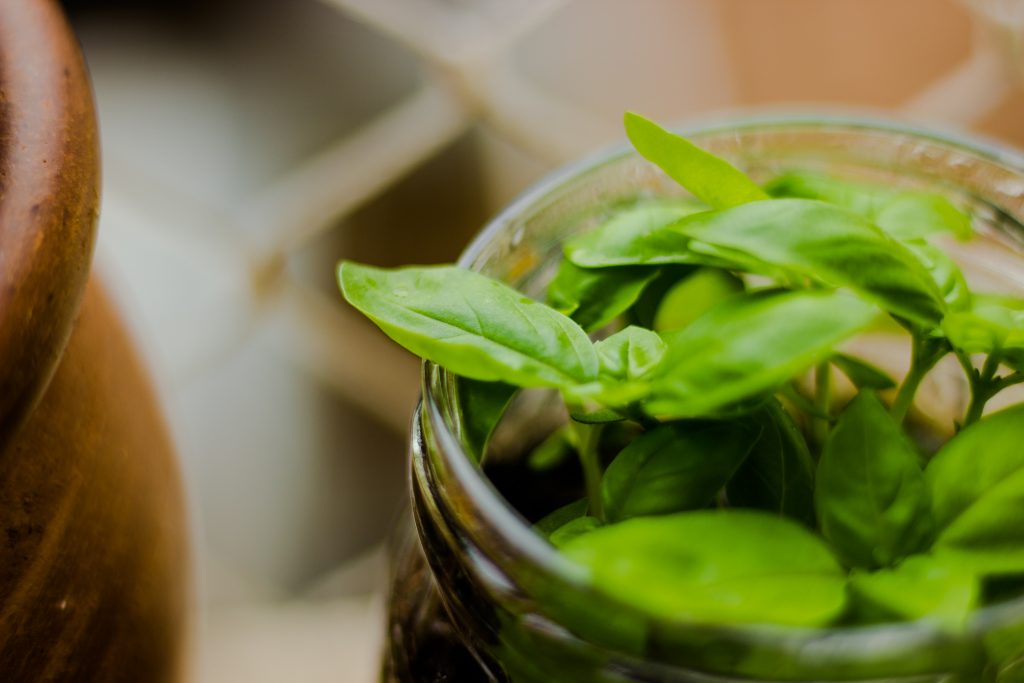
792,394
921,361
822,401
587,437
984,385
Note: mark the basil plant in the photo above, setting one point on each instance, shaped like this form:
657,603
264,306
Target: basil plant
740,465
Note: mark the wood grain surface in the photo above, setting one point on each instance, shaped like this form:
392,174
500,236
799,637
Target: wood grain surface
94,567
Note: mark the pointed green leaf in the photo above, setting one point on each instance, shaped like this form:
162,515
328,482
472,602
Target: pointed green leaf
715,567
552,451
988,537
778,474
561,517
471,325
872,502
688,299
748,345
973,462
864,375
989,325
921,587
710,178
977,486
635,236
629,354
593,297
945,273
572,530
481,406
825,243
904,214
675,467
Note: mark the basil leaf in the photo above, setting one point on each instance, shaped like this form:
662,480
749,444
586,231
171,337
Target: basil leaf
990,325
629,354
593,297
689,298
573,529
561,517
481,405
950,281
710,178
675,467
904,214
864,375
988,536
739,349
911,215
471,325
828,244
552,451
921,587
646,307
778,474
872,501
977,485
635,236
716,567
971,464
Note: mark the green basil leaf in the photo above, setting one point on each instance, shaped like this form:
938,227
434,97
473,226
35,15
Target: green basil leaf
912,215
977,486
629,354
562,516
778,474
675,467
593,297
635,236
871,497
715,567
990,325
689,298
572,530
646,307
710,178
481,406
904,214
988,536
552,451
599,416
748,345
971,464
823,242
864,375
471,325
921,587
946,274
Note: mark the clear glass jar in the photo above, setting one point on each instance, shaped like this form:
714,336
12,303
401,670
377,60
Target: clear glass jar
499,602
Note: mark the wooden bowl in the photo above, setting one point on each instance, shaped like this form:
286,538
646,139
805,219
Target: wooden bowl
94,568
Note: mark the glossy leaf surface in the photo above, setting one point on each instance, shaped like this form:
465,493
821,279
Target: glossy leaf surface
716,567
872,502
738,349
471,325
711,179
675,467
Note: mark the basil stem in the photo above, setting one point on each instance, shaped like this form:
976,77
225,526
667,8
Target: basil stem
923,358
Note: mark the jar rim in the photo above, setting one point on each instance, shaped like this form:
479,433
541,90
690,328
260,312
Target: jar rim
497,513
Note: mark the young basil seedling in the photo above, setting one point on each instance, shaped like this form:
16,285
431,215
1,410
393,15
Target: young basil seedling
726,481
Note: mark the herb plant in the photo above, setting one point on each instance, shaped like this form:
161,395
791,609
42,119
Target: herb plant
749,491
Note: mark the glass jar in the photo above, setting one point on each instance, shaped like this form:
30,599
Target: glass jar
477,595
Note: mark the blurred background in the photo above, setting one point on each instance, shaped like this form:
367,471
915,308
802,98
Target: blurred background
249,145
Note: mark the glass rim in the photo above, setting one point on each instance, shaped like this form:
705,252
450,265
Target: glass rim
498,514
